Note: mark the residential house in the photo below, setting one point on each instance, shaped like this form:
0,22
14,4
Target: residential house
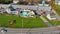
11,12
43,3
57,2
15,1
51,16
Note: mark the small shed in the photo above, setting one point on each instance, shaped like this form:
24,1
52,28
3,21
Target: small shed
51,16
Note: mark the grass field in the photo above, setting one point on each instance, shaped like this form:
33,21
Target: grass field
21,22
53,22
58,9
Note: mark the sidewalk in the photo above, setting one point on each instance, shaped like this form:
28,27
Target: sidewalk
45,21
57,16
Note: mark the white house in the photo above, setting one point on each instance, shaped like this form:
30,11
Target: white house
43,3
57,2
1,11
8,10
31,13
15,1
11,12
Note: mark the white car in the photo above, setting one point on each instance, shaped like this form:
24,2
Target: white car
3,30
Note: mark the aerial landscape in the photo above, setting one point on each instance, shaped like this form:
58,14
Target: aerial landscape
30,16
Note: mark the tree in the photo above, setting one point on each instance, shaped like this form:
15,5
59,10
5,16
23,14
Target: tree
2,1
5,1
8,1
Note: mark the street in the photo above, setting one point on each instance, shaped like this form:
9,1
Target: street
49,30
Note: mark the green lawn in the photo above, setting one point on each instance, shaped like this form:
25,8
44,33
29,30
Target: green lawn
21,22
58,9
53,22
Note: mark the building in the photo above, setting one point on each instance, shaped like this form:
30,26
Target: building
15,1
51,16
44,3
57,2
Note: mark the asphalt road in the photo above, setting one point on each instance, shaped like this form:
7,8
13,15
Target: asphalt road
49,30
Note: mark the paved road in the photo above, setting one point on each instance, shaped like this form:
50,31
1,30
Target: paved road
48,30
